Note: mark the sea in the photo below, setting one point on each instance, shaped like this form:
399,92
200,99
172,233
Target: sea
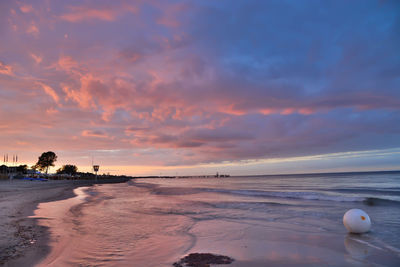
270,220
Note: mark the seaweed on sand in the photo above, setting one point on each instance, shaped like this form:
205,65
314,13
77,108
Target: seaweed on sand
202,260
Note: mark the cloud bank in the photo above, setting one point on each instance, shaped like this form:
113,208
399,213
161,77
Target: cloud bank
183,83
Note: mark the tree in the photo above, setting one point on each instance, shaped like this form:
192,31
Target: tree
22,169
45,161
3,169
67,169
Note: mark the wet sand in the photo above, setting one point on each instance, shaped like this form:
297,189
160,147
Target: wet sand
23,242
277,244
57,239
88,230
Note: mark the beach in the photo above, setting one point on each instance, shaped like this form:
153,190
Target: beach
257,221
22,241
201,133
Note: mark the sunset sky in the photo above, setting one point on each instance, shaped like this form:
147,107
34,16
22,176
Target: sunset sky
150,87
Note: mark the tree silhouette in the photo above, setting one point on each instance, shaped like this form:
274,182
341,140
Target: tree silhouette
67,169
46,160
22,169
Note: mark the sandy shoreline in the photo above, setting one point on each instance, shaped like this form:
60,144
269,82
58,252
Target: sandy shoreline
250,242
22,241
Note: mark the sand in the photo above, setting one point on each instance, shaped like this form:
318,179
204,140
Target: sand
22,241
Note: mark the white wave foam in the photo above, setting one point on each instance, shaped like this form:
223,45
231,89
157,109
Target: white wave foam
293,194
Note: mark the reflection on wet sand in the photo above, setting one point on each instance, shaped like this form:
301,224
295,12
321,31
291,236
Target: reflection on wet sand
356,247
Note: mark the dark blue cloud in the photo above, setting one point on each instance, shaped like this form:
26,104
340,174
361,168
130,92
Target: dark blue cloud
335,46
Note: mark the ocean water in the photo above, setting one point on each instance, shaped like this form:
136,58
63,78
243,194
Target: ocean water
293,220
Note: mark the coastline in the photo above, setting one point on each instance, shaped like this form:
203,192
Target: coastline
23,241
253,232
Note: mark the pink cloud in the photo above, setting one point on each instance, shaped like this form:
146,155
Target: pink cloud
267,111
288,111
33,29
50,91
231,110
6,69
67,64
82,97
161,88
79,14
171,15
91,133
82,13
26,8
306,111
52,111
22,143
38,59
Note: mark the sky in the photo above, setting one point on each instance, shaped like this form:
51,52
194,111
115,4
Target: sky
194,87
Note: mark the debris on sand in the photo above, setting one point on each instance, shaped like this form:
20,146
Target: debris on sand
202,260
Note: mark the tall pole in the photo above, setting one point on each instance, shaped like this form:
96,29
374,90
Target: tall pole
4,162
7,165
96,169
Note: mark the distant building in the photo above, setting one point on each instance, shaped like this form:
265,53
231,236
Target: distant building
6,169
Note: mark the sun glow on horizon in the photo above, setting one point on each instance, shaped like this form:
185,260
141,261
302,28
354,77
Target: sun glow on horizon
288,165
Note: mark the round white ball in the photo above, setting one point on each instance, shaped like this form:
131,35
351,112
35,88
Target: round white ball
357,221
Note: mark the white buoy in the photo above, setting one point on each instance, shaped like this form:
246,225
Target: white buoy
357,221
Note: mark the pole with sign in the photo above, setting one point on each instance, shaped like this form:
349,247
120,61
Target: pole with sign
96,169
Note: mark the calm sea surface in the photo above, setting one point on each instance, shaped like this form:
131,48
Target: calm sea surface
259,221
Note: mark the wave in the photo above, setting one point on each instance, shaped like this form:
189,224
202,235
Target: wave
248,205
307,195
382,191
374,201
322,195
